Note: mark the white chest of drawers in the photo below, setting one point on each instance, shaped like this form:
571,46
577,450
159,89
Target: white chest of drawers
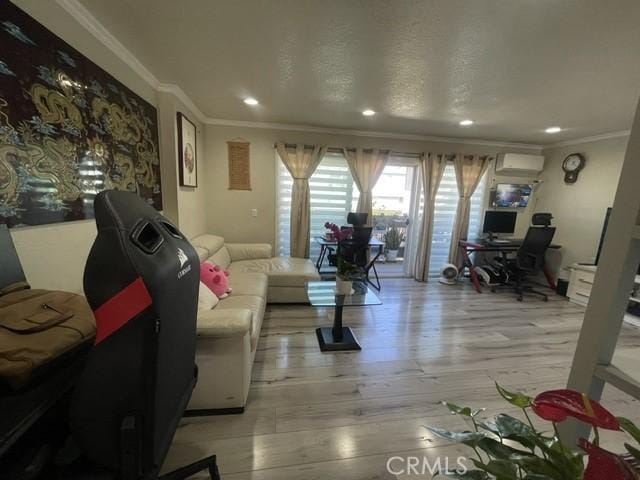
580,283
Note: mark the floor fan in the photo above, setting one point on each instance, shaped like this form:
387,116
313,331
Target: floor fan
449,274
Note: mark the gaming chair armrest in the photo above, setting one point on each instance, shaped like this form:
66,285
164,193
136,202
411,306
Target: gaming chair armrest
224,322
248,251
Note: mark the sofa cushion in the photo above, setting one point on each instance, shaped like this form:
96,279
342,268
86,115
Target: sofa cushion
221,258
203,253
254,304
230,322
248,251
206,298
212,243
282,271
249,284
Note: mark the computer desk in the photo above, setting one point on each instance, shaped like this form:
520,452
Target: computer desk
467,247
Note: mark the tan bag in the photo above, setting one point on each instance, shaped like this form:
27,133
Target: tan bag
38,326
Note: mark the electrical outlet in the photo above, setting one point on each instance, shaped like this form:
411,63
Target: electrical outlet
254,212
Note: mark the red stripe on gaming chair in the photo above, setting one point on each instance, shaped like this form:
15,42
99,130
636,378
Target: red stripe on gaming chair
122,307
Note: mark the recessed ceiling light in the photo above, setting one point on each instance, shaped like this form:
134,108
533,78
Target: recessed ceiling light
553,130
251,101
466,123
368,113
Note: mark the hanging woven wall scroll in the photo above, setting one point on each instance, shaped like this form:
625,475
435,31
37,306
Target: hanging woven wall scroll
239,165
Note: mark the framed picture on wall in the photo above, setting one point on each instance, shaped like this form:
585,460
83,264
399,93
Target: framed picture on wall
187,153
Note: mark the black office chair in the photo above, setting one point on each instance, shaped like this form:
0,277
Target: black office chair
141,279
356,250
357,219
529,260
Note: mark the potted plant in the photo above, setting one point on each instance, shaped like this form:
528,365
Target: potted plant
507,448
392,241
345,269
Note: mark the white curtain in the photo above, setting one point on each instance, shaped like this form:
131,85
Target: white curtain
366,166
301,161
432,167
469,172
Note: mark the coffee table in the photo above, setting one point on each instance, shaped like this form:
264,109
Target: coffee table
323,294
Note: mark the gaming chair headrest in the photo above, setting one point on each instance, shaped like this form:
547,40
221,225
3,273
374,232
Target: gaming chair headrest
141,280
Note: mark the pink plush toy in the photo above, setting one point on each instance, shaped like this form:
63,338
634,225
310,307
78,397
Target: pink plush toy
215,278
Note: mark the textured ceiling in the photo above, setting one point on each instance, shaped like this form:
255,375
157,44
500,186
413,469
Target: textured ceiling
513,66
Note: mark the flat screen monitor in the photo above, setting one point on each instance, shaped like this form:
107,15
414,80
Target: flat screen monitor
499,222
511,195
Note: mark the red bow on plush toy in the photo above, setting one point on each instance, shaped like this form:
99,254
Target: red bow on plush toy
215,278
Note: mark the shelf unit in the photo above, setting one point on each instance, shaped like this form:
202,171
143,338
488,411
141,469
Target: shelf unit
593,363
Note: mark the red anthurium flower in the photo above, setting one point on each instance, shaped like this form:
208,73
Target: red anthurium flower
557,405
605,465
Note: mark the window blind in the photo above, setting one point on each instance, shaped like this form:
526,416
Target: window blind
331,190
444,216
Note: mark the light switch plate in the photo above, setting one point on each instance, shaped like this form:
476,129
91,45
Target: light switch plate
254,212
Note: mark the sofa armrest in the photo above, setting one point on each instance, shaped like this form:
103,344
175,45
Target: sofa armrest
224,322
248,251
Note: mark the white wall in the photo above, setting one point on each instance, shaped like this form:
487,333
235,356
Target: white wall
579,209
184,205
229,211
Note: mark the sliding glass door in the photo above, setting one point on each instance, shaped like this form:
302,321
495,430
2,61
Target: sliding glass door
397,203
394,212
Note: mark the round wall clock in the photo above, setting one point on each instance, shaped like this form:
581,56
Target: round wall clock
572,166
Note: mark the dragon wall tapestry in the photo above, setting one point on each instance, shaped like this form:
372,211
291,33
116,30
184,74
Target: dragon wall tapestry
68,129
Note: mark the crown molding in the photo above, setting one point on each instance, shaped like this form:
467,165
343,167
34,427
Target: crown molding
184,98
85,18
593,138
91,23
369,133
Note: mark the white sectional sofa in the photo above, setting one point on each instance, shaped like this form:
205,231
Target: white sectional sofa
228,334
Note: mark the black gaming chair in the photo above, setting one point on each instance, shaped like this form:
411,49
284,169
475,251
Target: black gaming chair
357,219
141,280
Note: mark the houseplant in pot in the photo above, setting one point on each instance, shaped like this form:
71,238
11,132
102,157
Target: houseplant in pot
393,238
507,448
346,271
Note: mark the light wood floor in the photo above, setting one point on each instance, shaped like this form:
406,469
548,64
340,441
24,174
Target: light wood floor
314,415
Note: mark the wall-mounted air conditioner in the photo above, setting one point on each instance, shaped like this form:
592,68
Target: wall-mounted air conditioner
519,164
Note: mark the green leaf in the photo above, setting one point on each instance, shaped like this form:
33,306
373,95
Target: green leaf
456,410
501,469
534,476
470,439
629,427
518,399
634,452
498,450
468,475
490,426
565,459
539,466
465,411
513,429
